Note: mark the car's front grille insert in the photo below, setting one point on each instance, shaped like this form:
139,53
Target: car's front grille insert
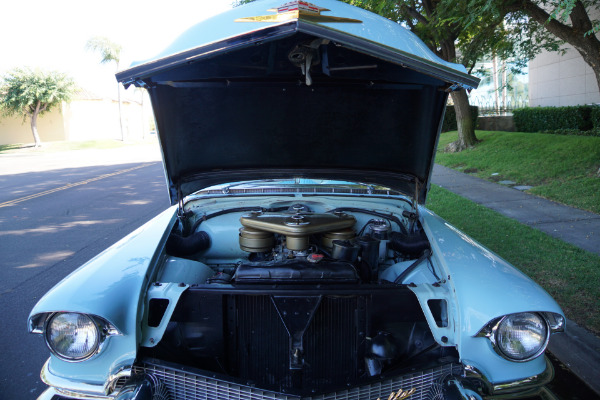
191,385
332,343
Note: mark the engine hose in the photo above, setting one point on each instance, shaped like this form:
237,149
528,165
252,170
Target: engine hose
222,212
400,278
408,244
181,246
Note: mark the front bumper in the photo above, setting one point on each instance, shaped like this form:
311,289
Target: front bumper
176,382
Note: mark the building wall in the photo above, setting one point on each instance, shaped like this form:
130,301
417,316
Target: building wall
563,80
51,128
81,120
91,120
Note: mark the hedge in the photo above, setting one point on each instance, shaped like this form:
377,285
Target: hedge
574,132
548,119
596,117
449,123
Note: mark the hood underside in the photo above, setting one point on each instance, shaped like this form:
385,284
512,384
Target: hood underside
244,108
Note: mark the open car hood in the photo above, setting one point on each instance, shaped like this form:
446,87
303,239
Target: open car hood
232,100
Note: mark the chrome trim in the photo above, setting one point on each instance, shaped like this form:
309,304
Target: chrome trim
81,396
556,321
465,393
113,379
471,372
526,383
518,388
80,390
36,323
104,329
144,387
49,394
490,331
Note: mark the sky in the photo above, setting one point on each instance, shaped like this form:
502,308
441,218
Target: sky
51,35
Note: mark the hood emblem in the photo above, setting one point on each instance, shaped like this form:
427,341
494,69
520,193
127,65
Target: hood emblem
297,10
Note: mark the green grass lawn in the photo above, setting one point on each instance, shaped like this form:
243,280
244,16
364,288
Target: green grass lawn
561,168
571,275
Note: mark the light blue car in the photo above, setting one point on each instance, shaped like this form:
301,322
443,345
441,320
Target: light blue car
298,260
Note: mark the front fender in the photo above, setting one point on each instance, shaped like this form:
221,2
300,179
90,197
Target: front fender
482,286
112,286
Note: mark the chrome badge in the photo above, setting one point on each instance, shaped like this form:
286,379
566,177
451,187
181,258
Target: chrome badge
400,394
297,10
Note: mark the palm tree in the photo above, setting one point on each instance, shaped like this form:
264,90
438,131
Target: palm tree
110,52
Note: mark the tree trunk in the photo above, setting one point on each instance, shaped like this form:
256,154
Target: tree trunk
34,115
464,121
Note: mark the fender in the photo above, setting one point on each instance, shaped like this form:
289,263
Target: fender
475,279
111,285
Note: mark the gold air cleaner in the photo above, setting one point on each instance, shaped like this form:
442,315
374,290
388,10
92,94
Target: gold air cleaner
297,227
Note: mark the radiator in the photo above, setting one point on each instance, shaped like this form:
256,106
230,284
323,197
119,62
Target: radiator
259,350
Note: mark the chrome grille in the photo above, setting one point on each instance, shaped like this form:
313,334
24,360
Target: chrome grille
185,385
118,384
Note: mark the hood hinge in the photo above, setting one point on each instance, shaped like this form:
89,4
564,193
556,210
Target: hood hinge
415,205
180,210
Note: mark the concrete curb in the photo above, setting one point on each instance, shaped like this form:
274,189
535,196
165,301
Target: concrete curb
579,350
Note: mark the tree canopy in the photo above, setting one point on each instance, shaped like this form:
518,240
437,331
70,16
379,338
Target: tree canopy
30,93
553,21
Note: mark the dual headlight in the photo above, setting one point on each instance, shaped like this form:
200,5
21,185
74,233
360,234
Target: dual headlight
521,337
73,336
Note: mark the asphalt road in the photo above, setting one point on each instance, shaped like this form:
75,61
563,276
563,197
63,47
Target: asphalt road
50,223
53,220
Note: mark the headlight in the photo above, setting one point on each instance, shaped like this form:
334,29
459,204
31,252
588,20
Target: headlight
72,336
519,337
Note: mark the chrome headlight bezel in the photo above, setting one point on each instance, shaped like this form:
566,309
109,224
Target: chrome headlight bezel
103,331
552,323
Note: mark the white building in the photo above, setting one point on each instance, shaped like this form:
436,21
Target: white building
561,80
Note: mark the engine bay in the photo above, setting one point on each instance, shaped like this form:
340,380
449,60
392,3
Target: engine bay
299,242
282,293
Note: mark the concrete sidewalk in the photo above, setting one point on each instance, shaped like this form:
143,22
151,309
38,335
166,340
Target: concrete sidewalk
577,348
580,228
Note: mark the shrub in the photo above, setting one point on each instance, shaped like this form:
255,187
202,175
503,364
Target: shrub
596,117
541,119
449,123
